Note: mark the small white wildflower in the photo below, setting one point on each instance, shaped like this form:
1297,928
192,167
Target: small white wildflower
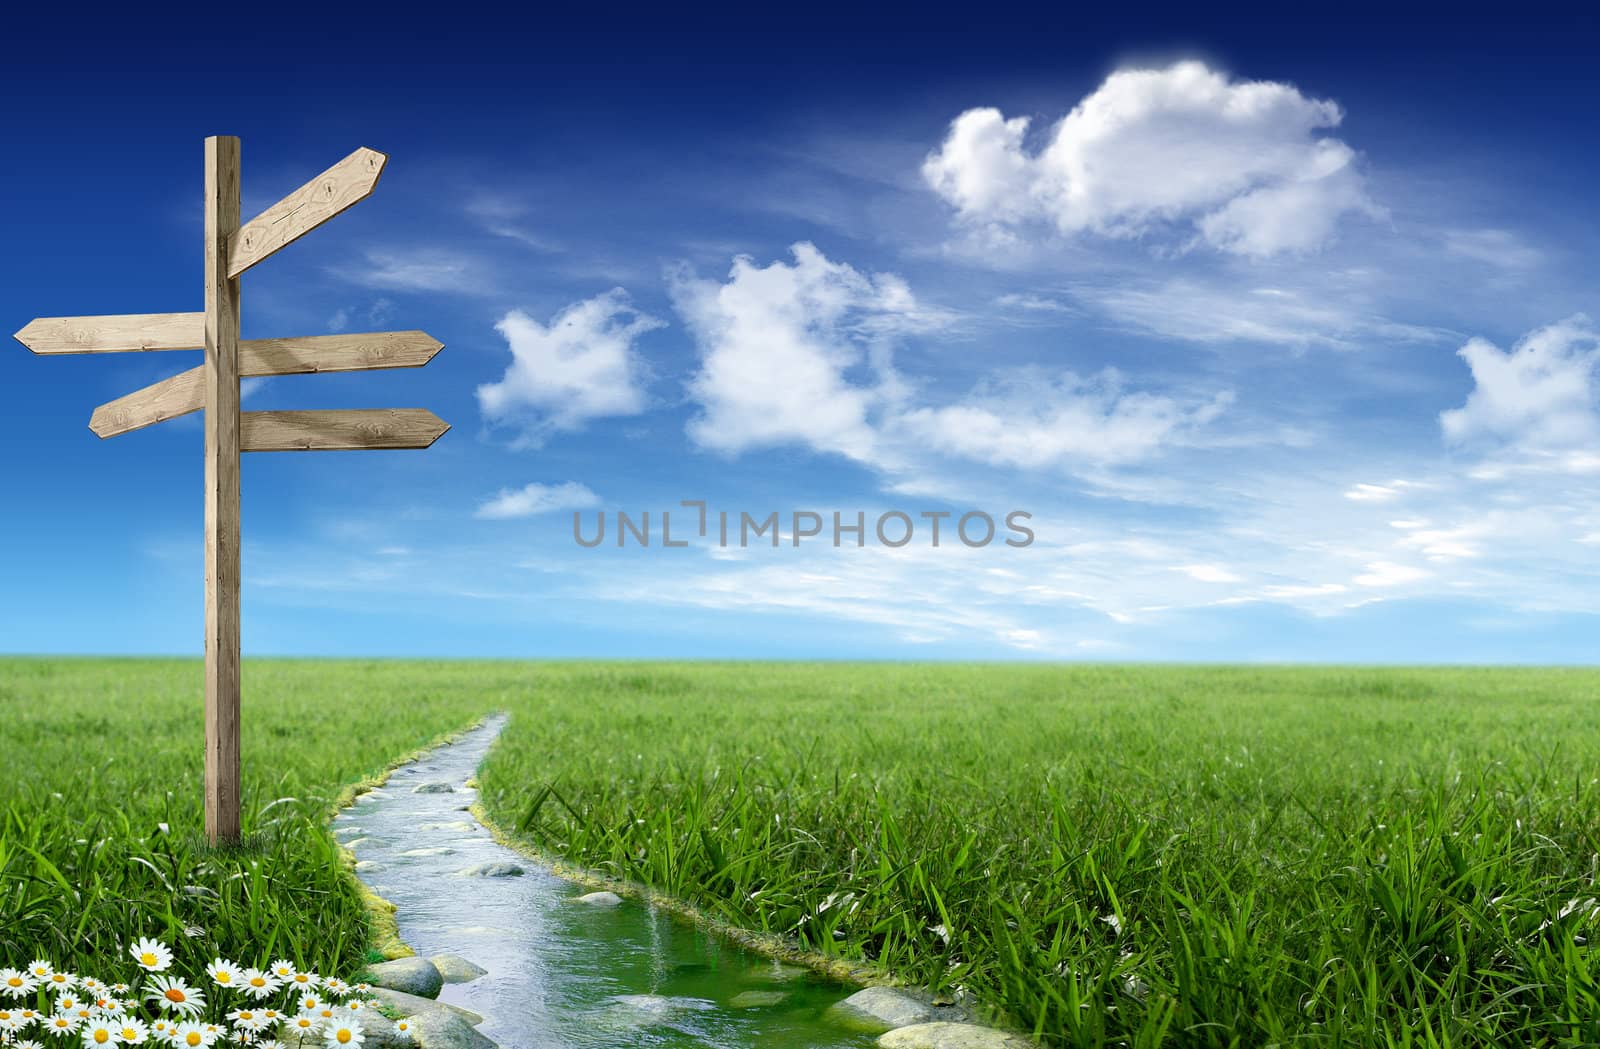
152,955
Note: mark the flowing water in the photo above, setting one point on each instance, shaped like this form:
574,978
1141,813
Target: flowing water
565,975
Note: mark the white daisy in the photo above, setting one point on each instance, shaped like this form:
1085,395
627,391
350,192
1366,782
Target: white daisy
310,1003
93,986
273,1044
306,1023
344,1034
120,988
283,969
29,1016
335,987
272,1016
152,955
40,969
249,1020
131,1030
11,1022
193,1036
62,1023
363,988
161,1029
403,1029
214,1031
170,992
14,983
305,981
99,1035
68,1003
258,984
59,981
26,1043
106,1005
224,973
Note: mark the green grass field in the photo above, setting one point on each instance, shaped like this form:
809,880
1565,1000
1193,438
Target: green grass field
1144,855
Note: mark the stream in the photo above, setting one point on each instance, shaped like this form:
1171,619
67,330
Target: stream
562,974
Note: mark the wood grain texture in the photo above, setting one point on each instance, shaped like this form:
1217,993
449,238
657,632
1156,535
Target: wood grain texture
167,399
341,430
114,333
185,393
220,383
346,183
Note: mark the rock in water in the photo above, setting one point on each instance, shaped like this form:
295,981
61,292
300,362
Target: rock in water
756,999
404,1004
456,969
600,899
499,869
437,787
437,850
882,1007
951,1036
410,975
443,1029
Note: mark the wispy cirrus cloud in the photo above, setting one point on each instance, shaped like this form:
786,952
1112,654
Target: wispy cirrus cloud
534,499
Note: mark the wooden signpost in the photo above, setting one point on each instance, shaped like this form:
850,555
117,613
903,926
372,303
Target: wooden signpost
230,249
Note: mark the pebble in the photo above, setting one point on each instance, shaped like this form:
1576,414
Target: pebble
600,899
757,999
498,869
437,787
944,1035
883,1007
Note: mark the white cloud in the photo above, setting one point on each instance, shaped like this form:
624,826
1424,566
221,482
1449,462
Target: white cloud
1497,247
1539,397
1239,165
1388,573
1213,312
421,269
582,366
537,499
1030,420
802,353
778,346
1209,574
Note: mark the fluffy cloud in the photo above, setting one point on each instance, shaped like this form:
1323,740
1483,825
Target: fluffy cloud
776,346
1539,397
802,353
581,366
1238,165
537,499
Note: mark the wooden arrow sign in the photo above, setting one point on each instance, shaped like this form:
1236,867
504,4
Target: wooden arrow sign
114,333
346,183
185,393
339,431
230,249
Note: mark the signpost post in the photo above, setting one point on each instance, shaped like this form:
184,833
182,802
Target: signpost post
230,249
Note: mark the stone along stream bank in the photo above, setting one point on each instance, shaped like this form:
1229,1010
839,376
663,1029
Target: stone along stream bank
509,954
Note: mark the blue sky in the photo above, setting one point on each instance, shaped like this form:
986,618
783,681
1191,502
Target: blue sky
1277,330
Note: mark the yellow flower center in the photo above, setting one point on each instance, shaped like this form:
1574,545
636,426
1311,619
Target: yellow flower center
258,982
102,1036
175,995
224,977
193,1038
147,958
129,1034
344,1035
15,981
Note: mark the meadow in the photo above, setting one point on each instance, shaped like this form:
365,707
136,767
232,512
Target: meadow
1181,856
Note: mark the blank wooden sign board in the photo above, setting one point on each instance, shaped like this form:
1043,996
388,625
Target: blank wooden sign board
231,249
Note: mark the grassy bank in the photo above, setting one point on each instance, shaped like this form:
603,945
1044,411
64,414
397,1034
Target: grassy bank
1113,854
1149,855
